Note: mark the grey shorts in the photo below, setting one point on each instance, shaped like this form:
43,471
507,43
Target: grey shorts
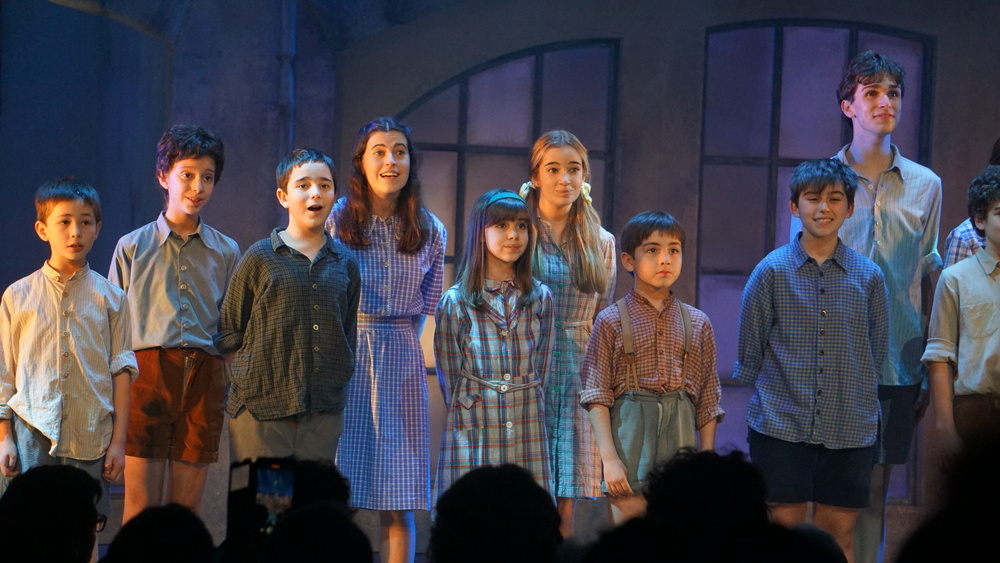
648,429
303,436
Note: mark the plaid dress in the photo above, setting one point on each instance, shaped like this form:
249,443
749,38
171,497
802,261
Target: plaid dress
385,449
576,463
491,366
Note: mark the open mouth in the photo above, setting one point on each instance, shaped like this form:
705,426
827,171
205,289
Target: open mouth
315,207
389,175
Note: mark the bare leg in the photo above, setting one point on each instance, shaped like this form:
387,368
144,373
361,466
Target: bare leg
789,515
839,523
567,508
398,536
143,484
186,483
626,508
869,533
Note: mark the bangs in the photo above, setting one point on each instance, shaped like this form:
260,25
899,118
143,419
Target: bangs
506,209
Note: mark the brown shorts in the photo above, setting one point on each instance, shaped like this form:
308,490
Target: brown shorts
176,405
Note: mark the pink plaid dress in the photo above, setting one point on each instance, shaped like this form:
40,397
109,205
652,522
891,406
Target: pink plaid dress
491,365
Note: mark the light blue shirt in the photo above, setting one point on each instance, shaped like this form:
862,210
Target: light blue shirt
896,226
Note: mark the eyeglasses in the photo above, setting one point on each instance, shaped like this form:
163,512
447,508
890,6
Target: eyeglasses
99,524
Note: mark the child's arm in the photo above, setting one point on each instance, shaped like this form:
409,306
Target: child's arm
432,285
611,266
615,472
545,340
114,458
941,379
756,318
237,307
706,435
449,344
8,449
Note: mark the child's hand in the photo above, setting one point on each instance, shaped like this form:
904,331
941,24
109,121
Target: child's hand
114,463
8,458
616,479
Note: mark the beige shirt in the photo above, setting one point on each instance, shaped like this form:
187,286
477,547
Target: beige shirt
62,341
965,322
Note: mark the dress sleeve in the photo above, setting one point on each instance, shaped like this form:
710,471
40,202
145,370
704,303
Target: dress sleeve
450,332
431,286
611,264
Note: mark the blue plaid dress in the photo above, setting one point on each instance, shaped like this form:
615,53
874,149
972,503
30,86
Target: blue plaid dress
576,463
385,449
491,365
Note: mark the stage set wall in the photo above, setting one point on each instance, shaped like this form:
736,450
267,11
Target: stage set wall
88,86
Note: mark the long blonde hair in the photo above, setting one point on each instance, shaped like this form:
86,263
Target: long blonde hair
583,228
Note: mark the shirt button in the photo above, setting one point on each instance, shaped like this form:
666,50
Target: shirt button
65,354
315,370
385,264
65,333
504,333
314,286
65,374
878,243
820,352
503,388
184,268
315,327
315,348
822,313
822,331
185,325
316,307
509,424
185,307
65,313
506,377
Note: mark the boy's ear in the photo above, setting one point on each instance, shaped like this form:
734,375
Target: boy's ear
628,261
979,222
40,231
850,211
97,230
162,178
845,106
795,209
282,197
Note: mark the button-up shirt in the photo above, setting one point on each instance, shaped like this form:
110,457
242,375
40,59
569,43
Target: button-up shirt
658,339
175,287
292,324
811,340
62,342
963,241
896,226
965,321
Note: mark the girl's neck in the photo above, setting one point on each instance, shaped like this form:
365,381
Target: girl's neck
384,207
556,217
497,269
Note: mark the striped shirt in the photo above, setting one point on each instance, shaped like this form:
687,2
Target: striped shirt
292,324
896,226
963,241
62,342
811,338
658,337
175,288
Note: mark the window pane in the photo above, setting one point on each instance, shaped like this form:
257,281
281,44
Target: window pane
486,171
575,93
909,54
500,105
734,205
783,215
738,92
719,297
436,120
597,190
812,65
437,178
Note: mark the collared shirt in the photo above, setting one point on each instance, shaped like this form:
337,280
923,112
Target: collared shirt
811,340
658,338
964,323
292,324
397,284
897,228
63,341
175,288
963,241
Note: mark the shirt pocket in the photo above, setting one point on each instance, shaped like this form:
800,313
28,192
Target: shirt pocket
980,319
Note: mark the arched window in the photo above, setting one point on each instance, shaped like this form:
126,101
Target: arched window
770,103
475,131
